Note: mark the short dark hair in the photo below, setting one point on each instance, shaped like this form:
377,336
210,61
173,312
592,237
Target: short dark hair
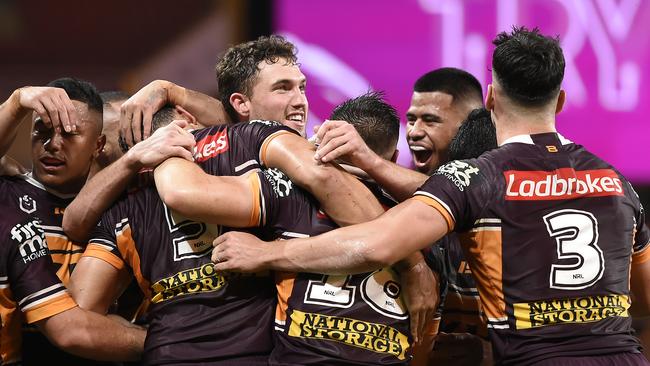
238,68
375,120
81,91
113,96
475,136
460,84
528,65
161,118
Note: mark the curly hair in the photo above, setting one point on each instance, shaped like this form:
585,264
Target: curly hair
238,68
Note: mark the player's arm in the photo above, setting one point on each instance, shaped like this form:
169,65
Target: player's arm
186,188
421,293
95,284
99,193
339,139
90,335
137,112
407,227
342,196
51,104
639,279
9,166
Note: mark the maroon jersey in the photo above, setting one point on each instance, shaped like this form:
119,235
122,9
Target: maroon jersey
460,308
196,315
29,287
550,231
330,320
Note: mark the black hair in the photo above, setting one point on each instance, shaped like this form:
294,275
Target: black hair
238,68
458,83
475,136
375,120
113,96
528,65
81,91
163,117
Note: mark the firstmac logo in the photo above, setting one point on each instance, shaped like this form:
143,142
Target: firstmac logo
211,146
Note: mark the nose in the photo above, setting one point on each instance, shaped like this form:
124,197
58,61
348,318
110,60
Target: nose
298,98
414,131
54,142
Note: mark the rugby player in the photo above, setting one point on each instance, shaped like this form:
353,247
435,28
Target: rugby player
66,138
368,308
554,234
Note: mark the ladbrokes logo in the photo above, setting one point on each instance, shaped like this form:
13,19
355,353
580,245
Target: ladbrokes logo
211,146
371,336
579,310
190,281
561,184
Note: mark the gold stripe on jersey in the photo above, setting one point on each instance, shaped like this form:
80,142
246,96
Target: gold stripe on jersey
267,142
126,246
100,252
256,217
439,207
586,309
486,260
284,285
64,253
56,304
374,337
641,256
188,282
10,331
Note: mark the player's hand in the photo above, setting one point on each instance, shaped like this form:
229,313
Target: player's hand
421,293
52,104
339,139
137,112
239,252
169,141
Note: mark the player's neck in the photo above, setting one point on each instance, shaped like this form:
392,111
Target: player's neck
510,123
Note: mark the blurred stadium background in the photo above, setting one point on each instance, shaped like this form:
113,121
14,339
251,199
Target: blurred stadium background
346,48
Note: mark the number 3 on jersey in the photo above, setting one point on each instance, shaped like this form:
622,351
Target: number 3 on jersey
576,236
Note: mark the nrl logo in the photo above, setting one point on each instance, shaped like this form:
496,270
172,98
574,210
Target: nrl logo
27,204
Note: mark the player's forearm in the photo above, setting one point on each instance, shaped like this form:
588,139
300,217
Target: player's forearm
207,110
364,247
106,339
400,182
97,196
344,198
11,116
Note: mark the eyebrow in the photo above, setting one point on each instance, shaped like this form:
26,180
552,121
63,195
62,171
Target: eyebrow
289,81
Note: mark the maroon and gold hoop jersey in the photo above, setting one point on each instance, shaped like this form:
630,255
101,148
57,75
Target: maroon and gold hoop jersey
330,320
550,231
29,287
195,314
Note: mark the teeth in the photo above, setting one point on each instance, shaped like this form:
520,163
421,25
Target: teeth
418,148
297,118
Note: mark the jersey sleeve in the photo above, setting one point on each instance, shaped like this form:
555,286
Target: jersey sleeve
459,190
31,274
103,238
641,253
259,134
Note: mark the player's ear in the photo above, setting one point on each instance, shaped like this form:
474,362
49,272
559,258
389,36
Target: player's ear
561,98
489,97
189,117
241,104
101,141
395,156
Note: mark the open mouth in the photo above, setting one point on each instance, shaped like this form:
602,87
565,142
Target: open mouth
421,155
